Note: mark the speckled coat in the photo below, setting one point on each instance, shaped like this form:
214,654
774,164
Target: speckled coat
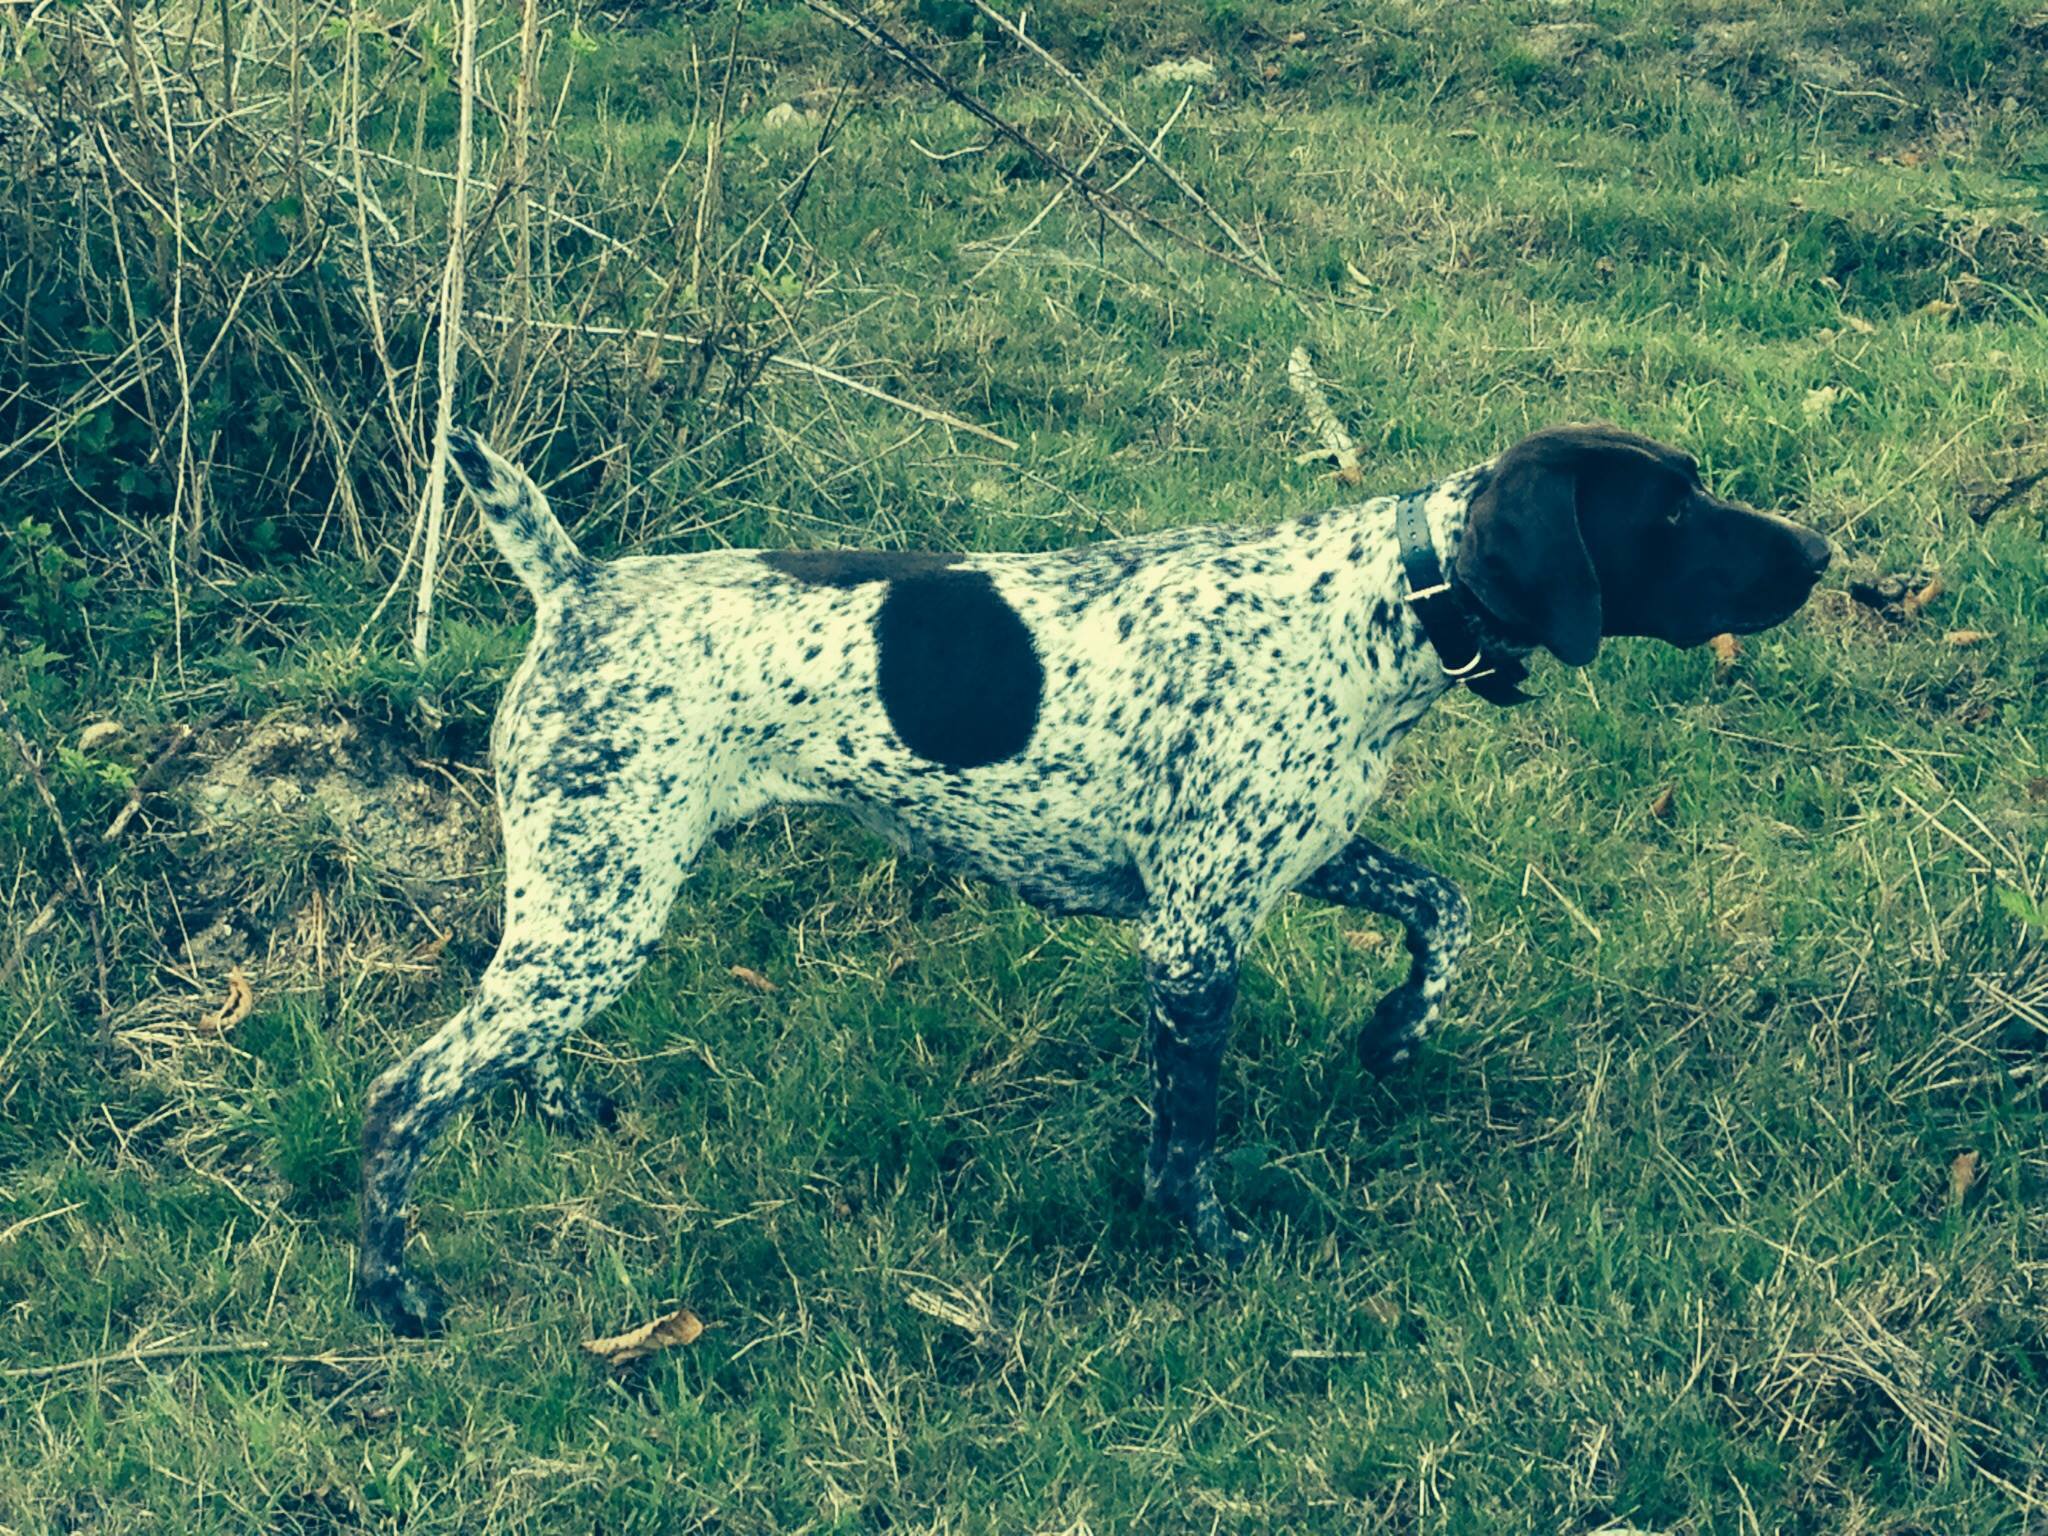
1177,729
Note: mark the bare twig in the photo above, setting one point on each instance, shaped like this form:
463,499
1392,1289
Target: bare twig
1114,209
432,509
1337,443
522,116
135,1357
929,413
875,35
194,1351
774,360
1148,152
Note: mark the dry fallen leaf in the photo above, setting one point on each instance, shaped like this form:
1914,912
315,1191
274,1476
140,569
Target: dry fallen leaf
1859,325
963,1309
2037,789
667,1332
1365,941
1915,601
1726,649
1961,637
241,1002
1819,402
1940,310
1661,806
752,978
1962,1174
99,733
1383,1310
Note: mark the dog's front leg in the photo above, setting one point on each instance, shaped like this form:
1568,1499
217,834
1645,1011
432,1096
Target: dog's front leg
1190,984
1438,922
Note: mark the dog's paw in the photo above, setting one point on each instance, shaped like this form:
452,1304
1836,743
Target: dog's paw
1398,1023
409,1306
1215,1237
575,1110
588,1113
1192,1201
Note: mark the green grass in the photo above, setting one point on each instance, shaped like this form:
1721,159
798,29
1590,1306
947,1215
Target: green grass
1658,1232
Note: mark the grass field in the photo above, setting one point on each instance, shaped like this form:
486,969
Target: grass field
1720,1203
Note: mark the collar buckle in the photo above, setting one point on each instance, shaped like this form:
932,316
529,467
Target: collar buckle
1446,625
1470,672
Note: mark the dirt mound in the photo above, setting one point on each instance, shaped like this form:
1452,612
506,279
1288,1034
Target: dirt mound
311,831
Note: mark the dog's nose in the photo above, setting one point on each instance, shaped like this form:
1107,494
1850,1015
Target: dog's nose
1815,551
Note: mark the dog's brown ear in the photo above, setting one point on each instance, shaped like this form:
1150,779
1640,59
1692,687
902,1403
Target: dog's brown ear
1525,554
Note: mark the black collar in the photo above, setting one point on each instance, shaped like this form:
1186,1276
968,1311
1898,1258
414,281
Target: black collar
1446,613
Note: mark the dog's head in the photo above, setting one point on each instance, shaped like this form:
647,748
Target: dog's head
1582,532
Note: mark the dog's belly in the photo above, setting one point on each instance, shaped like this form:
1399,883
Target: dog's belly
1060,868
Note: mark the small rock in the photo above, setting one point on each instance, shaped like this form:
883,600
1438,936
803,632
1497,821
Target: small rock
1181,72
1557,42
788,115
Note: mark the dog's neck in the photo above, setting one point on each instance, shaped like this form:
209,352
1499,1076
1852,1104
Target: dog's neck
1386,648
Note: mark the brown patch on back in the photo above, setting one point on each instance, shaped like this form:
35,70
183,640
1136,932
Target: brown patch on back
856,567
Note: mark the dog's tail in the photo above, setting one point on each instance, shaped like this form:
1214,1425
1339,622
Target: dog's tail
520,519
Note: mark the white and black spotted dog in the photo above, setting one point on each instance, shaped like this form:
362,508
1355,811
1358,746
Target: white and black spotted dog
1178,729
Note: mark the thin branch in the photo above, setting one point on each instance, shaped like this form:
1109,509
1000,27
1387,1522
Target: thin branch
1337,443
774,360
929,413
1149,152
1112,208
432,510
135,1357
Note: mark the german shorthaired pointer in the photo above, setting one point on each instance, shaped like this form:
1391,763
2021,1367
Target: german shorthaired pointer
1178,729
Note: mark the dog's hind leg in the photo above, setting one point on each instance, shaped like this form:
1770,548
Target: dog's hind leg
1436,918
572,1107
585,904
